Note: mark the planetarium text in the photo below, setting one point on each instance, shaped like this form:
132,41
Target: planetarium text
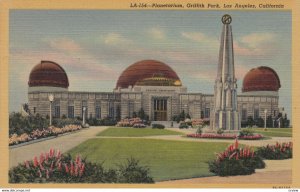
139,5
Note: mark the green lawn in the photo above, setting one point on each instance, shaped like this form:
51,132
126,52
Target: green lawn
166,159
275,132
135,132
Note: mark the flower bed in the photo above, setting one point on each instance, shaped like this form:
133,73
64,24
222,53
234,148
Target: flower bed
225,136
277,151
57,168
132,122
37,134
236,161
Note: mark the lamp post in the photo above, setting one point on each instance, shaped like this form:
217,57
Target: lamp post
83,115
51,99
265,111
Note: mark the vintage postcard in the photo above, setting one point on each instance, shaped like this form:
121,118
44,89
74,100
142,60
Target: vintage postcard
152,94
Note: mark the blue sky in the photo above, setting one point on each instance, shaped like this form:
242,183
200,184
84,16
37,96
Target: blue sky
95,46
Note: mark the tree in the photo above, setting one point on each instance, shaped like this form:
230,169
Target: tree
260,122
250,121
269,121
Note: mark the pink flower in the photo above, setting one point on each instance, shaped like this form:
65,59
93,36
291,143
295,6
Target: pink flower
66,168
35,162
236,144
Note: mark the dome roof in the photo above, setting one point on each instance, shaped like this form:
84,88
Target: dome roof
48,73
261,79
148,73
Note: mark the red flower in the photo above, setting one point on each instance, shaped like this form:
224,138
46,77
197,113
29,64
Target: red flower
236,144
35,162
66,168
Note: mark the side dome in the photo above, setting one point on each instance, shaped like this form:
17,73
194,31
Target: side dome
148,73
48,73
261,79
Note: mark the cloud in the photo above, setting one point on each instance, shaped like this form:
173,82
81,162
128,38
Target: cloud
64,44
201,38
256,44
79,64
257,39
156,33
115,39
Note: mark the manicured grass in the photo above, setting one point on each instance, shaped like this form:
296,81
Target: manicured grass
275,132
166,159
135,132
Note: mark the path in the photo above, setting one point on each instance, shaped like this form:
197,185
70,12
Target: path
63,143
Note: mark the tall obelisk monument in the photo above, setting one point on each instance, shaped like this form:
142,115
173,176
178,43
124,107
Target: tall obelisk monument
225,112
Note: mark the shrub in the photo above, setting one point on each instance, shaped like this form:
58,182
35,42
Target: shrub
132,172
220,131
19,124
183,125
199,130
236,161
60,123
158,126
224,136
246,132
277,151
57,168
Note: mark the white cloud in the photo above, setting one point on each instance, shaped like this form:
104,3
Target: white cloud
115,39
256,44
257,39
157,33
64,44
208,41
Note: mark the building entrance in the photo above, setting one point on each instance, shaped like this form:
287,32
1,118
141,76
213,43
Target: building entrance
160,109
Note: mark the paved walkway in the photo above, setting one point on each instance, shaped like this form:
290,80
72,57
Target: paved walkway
63,143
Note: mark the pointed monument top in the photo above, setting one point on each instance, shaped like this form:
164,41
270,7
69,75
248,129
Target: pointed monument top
226,19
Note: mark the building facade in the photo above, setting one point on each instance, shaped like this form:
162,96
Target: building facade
157,89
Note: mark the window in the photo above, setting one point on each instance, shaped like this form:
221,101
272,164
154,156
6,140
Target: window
130,108
56,111
256,112
70,111
111,112
207,112
34,109
98,112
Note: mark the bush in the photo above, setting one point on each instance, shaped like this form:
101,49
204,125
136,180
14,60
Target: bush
183,125
220,131
199,130
246,132
19,124
158,126
64,122
132,172
278,151
236,161
57,168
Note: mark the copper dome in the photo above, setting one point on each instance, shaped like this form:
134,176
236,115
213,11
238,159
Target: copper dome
261,79
48,73
140,72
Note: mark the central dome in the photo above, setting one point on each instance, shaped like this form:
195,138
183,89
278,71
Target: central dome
148,73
